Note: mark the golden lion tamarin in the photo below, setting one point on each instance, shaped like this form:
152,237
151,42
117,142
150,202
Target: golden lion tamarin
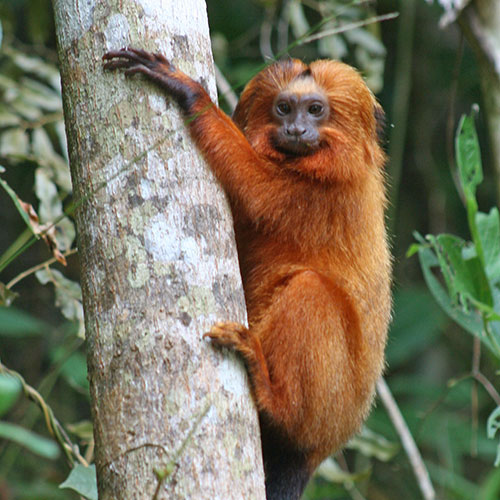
303,169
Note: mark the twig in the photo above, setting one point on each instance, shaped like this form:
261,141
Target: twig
36,268
350,26
400,106
225,89
168,470
283,26
476,360
490,389
407,441
354,493
54,427
266,30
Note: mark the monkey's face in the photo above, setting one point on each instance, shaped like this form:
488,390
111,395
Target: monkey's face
299,111
317,119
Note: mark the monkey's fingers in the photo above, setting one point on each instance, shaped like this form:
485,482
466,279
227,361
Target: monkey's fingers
128,57
227,334
117,64
129,53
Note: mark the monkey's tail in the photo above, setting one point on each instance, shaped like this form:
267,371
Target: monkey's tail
285,466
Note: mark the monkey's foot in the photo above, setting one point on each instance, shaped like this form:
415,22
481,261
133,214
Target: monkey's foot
247,344
228,334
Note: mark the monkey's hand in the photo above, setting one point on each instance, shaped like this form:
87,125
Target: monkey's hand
158,69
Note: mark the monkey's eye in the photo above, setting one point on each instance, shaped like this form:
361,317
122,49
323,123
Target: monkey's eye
315,109
283,108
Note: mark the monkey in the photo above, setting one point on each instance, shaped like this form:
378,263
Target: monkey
303,168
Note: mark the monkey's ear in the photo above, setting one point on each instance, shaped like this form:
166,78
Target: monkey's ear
240,113
380,123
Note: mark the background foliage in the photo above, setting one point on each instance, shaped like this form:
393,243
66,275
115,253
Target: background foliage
424,83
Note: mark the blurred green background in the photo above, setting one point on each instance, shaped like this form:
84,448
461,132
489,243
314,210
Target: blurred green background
425,77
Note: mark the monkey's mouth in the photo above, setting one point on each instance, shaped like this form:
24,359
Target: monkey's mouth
297,146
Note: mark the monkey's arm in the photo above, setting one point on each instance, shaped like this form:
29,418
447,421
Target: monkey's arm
250,181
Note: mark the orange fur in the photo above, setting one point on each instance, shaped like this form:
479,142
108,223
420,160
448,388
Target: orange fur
312,248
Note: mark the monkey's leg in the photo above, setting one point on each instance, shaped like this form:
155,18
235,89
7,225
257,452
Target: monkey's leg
300,355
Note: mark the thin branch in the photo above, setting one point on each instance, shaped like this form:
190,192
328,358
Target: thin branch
490,389
36,268
54,427
225,89
400,106
450,120
350,26
169,469
476,361
407,441
266,30
283,26
354,493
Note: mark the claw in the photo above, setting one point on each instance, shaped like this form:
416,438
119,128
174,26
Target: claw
126,57
227,334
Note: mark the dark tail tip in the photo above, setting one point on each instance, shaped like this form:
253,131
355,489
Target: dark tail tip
285,466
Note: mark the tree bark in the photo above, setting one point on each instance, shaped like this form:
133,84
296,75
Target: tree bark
173,417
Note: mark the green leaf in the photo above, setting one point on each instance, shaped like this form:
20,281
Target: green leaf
467,274
51,207
46,191
83,430
443,263
417,322
470,173
39,445
7,296
492,426
40,95
74,369
7,118
82,480
331,471
412,250
18,204
470,322
20,324
366,40
333,47
15,142
26,109
36,66
10,388
488,226
298,20
490,486
371,444
55,166
459,487
468,156
68,295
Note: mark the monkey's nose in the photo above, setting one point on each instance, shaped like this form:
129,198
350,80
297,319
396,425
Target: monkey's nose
295,131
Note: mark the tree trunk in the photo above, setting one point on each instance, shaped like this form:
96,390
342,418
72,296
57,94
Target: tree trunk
173,417
480,21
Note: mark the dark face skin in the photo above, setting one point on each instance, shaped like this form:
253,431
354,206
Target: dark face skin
299,117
